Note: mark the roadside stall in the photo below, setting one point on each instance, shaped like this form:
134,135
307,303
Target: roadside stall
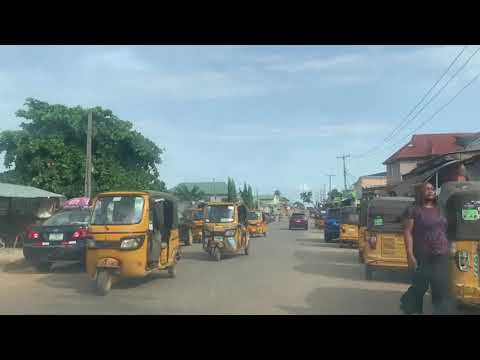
22,206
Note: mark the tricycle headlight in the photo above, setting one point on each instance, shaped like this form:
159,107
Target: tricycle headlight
90,243
230,233
130,243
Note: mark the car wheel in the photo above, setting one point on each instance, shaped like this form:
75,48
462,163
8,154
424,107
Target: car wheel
103,282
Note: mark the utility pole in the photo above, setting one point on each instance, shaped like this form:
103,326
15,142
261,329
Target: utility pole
88,164
330,182
214,192
344,169
324,193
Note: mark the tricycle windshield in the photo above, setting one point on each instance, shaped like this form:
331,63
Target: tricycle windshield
220,214
253,215
118,210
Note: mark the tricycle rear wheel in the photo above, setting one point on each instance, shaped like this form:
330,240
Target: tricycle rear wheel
172,271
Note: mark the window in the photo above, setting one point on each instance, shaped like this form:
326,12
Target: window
70,217
119,210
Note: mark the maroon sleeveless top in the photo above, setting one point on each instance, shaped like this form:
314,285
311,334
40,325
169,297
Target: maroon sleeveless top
429,231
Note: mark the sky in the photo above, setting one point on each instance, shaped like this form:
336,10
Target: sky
275,117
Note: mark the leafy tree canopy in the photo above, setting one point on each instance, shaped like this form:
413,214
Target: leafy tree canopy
306,196
49,151
184,194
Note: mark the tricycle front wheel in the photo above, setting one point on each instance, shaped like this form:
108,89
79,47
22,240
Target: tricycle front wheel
103,282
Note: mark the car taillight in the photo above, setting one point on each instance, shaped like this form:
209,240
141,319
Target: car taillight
33,235
463,260
372,241
80,234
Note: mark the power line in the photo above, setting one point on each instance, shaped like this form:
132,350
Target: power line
441,108
428,102
392,134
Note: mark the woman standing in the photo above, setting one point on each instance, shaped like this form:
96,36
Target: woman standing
426,245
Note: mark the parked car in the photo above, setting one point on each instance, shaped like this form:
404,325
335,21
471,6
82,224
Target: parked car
298,221
61,237
332,224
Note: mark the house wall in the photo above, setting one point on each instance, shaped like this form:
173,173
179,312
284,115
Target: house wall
396,169
367,182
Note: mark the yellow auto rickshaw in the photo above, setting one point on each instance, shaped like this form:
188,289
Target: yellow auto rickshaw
348,226
191,225
225,230
362,229
385,246
460,203
130,235
257,223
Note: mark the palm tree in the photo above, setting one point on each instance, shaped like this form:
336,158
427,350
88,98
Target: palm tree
184,194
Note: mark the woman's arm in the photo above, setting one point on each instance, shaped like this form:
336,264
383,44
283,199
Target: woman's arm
408,238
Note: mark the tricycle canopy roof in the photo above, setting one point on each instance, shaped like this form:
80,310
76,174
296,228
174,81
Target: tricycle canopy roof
27,192
152,194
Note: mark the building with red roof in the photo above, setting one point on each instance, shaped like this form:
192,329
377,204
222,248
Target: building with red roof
420,148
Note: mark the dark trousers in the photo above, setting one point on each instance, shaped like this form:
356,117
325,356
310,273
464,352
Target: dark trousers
431,272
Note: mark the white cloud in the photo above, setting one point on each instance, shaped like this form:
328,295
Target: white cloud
122,58
260,132
316,64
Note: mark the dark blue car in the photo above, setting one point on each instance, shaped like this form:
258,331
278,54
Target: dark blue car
332,224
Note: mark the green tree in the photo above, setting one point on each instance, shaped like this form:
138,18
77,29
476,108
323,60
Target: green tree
277,193
185,194
49,151
244,194
334,194
306,196
251,201
232,190
298,205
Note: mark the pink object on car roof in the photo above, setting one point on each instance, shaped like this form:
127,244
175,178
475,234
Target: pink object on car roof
75,203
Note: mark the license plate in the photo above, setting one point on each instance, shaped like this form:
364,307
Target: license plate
218,238
55,237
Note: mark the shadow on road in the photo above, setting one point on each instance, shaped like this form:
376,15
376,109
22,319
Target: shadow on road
19,267
23,267
320,244
343,265
79,282
356,301
348,301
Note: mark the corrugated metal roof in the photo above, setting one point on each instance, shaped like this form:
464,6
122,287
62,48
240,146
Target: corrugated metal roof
20,191
425,145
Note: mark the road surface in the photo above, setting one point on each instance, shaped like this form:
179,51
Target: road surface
288,272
